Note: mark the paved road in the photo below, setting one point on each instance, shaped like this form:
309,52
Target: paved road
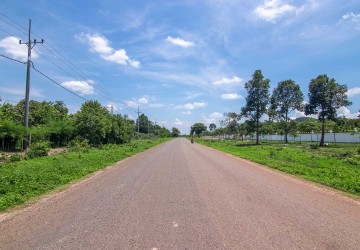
183,196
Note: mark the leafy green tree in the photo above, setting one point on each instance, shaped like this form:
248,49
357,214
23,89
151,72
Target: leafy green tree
145,125
92,122
325,97
212,127
309,125
198,129
230,122
257,99
175,132
286,97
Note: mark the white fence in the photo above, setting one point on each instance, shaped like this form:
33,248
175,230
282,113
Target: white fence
315,137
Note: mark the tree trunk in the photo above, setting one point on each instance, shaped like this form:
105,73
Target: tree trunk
322,133
286,128
257,131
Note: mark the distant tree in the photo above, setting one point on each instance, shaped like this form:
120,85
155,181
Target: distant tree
212,127
257,99
230,122
325,97
92,122
198,129
286,97
175,132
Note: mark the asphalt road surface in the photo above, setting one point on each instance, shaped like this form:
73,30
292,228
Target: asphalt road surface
184,196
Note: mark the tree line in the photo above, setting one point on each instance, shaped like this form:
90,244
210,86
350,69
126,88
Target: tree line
51,121
325,97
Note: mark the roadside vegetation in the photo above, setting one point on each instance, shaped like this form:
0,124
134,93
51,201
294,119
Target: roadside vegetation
25,179
335,165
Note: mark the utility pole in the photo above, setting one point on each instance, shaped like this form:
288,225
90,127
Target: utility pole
138,113
30,45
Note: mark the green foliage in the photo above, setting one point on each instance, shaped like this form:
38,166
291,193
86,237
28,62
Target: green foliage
23,180
325,97
286,97
15,158
257,99
92,122
198,129
79,145
175,132
38,149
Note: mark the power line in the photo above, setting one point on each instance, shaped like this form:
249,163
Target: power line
13,26
57,82
12,59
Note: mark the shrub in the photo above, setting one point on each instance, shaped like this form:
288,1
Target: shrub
15,158
314,146
78,145
38,149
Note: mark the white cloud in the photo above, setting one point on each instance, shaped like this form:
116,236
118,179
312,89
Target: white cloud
12,47
344,111
214,117
191,106
178,122
81,87
101,45
231,96
270,10
179,42
186,112
113,105
228,81
351,18
143,101
353,91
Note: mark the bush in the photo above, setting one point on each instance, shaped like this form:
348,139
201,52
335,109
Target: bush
15,158
38,149
78,145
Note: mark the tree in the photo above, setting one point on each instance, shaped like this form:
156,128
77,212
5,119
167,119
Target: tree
230,122
92,122
198,129
325,97
286,97
212,127
175,132
257,99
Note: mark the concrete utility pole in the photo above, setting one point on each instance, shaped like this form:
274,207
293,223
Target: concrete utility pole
138,113
30,45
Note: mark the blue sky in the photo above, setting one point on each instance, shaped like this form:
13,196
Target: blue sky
181,61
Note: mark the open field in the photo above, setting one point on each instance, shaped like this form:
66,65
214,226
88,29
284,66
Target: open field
23,180
336,166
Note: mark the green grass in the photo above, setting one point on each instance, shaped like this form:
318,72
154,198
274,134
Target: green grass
336,166
21,181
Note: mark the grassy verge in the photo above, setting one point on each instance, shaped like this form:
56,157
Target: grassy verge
21,181
336,166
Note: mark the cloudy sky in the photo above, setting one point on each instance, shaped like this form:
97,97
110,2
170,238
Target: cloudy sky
181,61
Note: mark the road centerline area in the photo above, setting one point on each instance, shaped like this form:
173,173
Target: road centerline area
181,195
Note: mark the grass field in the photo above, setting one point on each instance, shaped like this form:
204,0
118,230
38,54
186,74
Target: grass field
336,165
23,180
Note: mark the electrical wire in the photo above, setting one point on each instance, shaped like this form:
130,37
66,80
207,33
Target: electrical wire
12,59
53,81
